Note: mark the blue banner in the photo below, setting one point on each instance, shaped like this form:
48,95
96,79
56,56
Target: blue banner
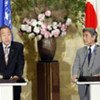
5,13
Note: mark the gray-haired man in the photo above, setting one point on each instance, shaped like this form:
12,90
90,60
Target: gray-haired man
87,61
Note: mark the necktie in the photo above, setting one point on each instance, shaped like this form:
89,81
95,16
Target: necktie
6,54
89,55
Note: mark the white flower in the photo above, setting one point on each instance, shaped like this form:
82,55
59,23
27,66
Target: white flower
68,22
49,27
23,28
54,25
48,13
31,35
39,23
28,28
36,29
55,32
33,22
41,17
41,28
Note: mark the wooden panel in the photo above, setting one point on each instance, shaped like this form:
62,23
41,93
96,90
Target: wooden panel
48,80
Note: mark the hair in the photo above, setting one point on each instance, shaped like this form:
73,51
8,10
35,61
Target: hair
92,31
5,26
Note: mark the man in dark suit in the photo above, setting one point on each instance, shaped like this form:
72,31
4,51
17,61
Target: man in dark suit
87,61
11,59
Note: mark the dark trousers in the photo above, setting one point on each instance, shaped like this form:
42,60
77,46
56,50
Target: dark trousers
84,92
16,92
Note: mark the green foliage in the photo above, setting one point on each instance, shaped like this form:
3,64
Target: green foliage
61,8
19,8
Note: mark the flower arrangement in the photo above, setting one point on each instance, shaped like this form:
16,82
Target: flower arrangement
42,28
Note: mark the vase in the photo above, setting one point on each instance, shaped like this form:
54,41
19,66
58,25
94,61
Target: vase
47,48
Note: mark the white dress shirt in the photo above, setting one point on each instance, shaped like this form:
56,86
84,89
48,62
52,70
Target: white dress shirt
6,51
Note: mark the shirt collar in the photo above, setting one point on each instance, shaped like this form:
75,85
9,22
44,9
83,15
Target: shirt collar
4,46
92,47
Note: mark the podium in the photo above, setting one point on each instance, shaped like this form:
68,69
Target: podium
6,88
94,83
48,80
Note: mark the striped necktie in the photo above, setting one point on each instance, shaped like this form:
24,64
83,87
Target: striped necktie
6,54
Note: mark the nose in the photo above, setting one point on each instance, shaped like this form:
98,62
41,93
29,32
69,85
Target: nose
84,37
6,37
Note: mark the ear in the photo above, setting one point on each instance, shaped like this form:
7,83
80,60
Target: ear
0,33
94,37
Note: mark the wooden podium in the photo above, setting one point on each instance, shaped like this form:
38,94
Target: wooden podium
94,83
48,80
6,89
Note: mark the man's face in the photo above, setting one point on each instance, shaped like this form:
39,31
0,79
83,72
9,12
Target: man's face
88,39
6,36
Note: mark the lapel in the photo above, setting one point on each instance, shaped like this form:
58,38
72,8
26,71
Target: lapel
93,57
85,53
2,53
11,54
85,50
1,49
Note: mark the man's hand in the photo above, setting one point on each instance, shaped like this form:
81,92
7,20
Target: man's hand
74,79
14,78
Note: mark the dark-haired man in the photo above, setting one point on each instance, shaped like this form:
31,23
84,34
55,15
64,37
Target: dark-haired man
87,61
11,58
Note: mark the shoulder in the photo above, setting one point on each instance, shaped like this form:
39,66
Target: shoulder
97,48
16,44
82,49
98,45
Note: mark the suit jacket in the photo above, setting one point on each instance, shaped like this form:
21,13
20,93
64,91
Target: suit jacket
15,61
81,67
